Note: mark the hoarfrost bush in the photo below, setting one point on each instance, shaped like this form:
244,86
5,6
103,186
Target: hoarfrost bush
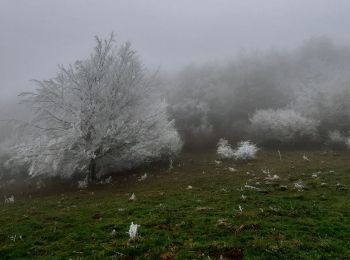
224,149
338,140
327,102
9,200
83,184
283,125
191,120
347,142
313,79
245,151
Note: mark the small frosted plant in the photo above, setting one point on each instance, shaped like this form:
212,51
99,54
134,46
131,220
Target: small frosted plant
133,230
274,177
171,166
132,197
83,184
305,158
107,180
143,177
15,237
299,185
9,200
217,162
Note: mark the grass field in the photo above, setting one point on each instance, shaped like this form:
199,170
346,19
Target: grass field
272,220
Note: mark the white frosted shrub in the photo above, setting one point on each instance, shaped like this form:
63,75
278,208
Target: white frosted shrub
283,125
245,150
224,149
337,139
347,142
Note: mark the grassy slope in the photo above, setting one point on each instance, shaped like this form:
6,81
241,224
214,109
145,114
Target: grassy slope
197,223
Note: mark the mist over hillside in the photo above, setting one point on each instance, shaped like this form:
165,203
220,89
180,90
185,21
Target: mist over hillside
214,100
218,99
163,129
166,77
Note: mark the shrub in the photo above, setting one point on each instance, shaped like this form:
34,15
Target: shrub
191,120
338,140
283,125
224,150
245,151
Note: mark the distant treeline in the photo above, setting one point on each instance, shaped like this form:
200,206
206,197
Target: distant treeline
301,96
295,97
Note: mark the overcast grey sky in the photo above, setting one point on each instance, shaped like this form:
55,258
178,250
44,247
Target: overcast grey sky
37,35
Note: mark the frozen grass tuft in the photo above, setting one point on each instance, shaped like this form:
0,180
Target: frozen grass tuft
133,230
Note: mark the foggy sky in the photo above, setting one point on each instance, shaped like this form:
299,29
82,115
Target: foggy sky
37,35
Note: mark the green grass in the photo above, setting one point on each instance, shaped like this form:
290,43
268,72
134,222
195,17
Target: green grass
181,223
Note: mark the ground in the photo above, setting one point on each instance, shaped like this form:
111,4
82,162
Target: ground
196,211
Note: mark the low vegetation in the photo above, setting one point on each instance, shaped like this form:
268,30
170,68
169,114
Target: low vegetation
279,206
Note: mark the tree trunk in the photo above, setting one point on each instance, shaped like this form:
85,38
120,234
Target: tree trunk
92,171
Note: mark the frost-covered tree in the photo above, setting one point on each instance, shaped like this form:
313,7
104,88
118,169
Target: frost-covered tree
283,126
311,79
101,112
189,97
338,140
192,120
328,103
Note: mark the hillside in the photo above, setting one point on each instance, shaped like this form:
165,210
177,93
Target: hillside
269,208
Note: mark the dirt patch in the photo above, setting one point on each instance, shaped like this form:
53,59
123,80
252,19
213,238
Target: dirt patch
225,253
